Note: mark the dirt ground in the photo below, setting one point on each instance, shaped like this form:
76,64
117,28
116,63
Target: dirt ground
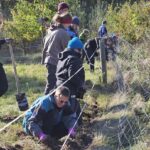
82,140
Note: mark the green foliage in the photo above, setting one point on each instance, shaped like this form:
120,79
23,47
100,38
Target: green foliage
24,25
130,21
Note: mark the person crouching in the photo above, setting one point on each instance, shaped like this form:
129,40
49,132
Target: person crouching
45,119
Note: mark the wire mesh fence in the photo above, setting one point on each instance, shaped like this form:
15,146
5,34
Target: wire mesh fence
130,131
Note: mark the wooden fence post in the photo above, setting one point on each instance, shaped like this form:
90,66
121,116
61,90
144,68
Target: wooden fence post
103,61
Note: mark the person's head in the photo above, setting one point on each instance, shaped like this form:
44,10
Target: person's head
62,7
75,44
65,19
61,95
75,23
104,22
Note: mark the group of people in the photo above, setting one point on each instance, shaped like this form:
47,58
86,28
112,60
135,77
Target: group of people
55,113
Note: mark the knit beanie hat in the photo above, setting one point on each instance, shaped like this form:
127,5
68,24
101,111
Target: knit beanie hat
75,43
62,5
75,20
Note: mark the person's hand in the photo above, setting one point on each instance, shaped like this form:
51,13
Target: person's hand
8,40
44,138
72,132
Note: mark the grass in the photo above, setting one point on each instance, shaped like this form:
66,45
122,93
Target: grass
111,104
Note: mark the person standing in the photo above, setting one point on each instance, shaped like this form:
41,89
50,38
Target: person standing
73,29
102,31
3,77
90,48
55,41
62,7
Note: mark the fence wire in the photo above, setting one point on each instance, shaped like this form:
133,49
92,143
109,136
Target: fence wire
133,80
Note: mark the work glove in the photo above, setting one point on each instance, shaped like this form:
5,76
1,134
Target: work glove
45,139
80,93
72,132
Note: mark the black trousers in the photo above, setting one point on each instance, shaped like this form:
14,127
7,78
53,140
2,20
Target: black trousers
3,81
51,78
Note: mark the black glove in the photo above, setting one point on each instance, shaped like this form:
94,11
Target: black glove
80,93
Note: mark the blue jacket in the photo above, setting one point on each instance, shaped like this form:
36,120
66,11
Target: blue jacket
102,31
71,32
44,115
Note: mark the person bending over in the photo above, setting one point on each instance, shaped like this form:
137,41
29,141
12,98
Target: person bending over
47,119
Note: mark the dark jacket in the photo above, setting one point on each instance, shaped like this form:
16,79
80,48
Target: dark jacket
90,48
3,78
3,81
69,63
44,115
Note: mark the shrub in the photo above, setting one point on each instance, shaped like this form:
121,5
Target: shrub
24,24
130,21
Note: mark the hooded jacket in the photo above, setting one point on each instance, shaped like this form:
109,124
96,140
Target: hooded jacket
44,115
69,63
55,42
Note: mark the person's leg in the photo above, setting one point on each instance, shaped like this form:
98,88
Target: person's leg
3,81
83,55
92,64
51,78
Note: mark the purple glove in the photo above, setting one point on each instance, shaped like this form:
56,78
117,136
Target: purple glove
45,139
42,137
72,132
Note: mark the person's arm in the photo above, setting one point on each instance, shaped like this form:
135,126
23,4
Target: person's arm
5,40
35,122
2,41
46,43
69,122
